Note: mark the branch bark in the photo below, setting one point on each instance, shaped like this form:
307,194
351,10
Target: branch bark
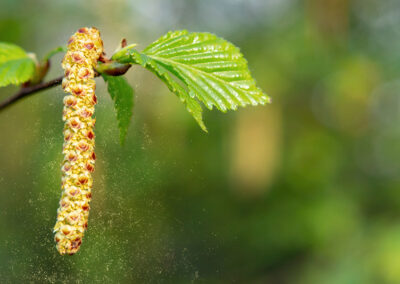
27,91
112,68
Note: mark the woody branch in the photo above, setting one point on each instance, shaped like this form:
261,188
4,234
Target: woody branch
111,68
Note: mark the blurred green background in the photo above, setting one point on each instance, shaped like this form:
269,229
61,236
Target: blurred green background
305,190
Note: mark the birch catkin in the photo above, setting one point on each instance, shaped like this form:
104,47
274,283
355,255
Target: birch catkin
84,49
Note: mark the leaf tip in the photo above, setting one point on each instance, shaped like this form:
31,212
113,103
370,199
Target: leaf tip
203,127
122,139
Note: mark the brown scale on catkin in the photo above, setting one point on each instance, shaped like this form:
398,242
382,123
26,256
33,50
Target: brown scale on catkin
84,49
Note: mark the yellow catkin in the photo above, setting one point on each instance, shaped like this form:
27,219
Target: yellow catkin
84,49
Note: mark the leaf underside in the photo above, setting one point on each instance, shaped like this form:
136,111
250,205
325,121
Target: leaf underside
16,66
199,67
122,95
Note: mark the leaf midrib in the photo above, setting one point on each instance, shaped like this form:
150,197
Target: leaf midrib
161,59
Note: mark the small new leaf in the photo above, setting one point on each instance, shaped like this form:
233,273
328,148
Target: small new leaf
16,66
54,51
122,95
209,68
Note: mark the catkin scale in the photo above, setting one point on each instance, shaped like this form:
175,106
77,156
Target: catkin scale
84,49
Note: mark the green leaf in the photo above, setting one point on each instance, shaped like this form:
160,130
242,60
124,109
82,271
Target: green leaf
203,66
122,95
54,51
16,66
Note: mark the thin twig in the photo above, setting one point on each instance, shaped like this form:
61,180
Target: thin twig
24,92
110,68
